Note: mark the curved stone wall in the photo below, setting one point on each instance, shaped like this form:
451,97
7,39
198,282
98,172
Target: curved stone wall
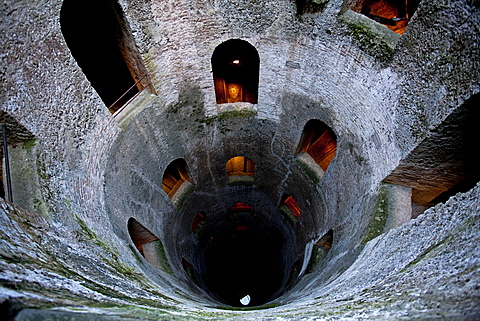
95,171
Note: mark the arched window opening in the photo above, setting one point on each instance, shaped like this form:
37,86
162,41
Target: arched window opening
319,142
21,175
235,66
290,209
241,207
199,224
176,181
241,211
319,251
240,170
395,14
148,245
240,166
99,39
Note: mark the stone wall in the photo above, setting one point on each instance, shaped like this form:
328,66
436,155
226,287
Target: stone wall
98,170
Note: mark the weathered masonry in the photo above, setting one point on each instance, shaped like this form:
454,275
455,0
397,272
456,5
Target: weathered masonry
247,160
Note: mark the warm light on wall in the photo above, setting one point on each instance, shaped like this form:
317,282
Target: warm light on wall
174,176
319,141
240,166
234,91
395,15
293,206
235,67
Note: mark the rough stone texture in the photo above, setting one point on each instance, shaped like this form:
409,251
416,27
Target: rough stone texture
374,38
29,185
97,171
443,71
399,207
446,161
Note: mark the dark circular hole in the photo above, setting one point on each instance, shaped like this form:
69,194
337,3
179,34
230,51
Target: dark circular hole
243,256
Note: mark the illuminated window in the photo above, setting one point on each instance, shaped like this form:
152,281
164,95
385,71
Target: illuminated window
395,14
148,245
235,66
99,39
241,211
241,207
318,141
240,171
240,166
290,209
292,205
174,177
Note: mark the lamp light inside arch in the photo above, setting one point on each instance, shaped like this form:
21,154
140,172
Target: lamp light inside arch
236,62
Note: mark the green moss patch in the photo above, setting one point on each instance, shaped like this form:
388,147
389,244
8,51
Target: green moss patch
29,143
372,37
379,219
310,172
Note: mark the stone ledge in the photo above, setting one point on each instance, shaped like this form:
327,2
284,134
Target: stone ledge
240,106
374,38
310,167
139,103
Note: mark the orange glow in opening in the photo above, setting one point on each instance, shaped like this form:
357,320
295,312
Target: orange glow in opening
293,205
242,228
241,207
240,166
234,91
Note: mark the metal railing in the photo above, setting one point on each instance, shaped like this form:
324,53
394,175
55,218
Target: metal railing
7,164
131,98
